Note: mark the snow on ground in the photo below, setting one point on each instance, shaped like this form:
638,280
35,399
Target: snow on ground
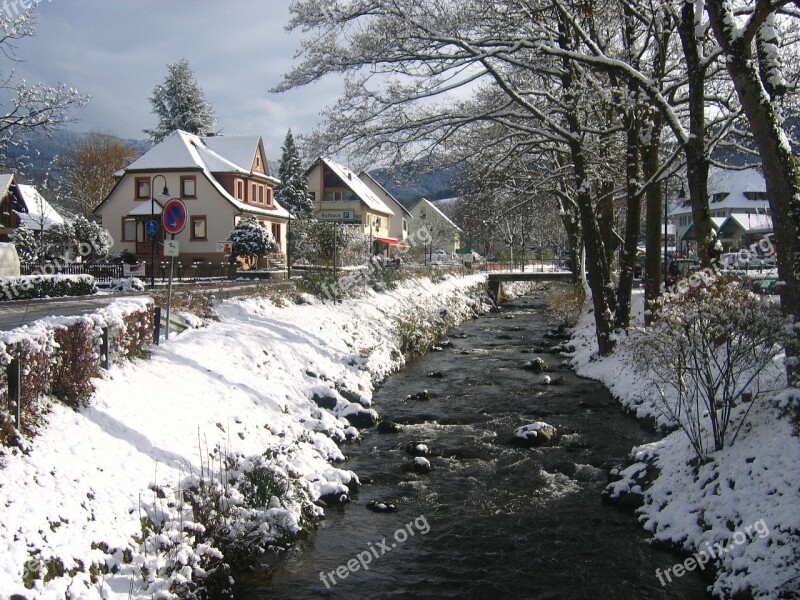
739,511
243,384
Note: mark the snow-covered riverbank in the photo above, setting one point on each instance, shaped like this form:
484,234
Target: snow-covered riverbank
243,385
739,511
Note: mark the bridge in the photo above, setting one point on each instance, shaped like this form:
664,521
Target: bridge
496,279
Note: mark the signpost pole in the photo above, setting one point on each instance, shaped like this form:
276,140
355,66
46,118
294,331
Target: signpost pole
169,292
174,217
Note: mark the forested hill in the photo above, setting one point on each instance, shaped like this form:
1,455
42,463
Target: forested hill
33,156
409,185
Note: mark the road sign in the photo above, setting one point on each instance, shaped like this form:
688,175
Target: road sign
174,216
224,247
151,227
172,248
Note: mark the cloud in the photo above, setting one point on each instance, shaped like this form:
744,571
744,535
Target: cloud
118,51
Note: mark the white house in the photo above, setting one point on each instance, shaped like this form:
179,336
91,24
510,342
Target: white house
730,192
399,221
220,179
444,235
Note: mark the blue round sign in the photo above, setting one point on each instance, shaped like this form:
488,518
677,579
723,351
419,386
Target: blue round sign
151,227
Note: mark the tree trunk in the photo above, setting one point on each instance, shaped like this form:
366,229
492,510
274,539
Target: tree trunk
780,169
697,160
633,217
654,217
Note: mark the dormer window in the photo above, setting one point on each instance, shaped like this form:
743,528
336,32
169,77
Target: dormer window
756,195
718,197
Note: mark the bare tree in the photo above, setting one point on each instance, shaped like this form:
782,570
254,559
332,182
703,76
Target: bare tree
82,177
29,107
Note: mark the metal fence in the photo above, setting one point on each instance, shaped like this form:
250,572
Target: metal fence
101,273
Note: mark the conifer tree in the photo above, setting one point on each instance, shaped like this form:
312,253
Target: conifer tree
179,103
293,192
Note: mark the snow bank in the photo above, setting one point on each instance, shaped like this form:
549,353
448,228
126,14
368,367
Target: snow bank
244,385
740,511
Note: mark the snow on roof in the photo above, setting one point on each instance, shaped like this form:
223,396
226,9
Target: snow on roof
215,154
5,181
749,223
40,214
181,150
732,189
433,206
360,188
364,176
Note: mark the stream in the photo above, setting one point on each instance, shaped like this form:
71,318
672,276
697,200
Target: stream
491,519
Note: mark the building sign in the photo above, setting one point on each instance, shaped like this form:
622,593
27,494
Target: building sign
336,215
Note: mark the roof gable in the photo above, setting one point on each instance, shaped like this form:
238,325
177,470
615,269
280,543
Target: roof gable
356,185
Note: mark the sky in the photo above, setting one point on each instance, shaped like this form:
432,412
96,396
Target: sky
118,51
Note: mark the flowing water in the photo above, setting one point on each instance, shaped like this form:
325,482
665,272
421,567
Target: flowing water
491,520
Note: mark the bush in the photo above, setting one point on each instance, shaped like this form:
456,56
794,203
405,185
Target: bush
565,305
30,287
75,364
707,355
61,362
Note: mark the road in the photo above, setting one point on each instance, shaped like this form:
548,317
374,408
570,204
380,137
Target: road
23,312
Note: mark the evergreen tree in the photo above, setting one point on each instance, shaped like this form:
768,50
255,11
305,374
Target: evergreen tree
293,192
251,240
179,103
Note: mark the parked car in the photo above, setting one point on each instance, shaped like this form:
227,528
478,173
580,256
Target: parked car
765,285
743,259
679,268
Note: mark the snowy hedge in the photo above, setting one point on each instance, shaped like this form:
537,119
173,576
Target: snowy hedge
59,357
29,287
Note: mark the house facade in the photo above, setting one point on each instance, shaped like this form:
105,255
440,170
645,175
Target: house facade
399,222
341,197
741,192
442,234
23,206
220,179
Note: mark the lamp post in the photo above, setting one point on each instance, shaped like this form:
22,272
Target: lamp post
153,224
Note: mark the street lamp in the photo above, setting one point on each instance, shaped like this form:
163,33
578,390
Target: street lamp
153,227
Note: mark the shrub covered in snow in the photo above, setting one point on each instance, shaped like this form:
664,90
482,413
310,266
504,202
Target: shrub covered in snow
252,240
29,287
59,356
707,355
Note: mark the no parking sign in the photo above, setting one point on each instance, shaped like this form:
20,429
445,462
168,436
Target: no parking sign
174,216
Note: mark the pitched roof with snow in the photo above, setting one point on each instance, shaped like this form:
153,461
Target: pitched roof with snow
40,214
215,154
357,186
743,189
5,181
366,175
181,150
747,223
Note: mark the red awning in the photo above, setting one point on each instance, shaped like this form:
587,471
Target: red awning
391,242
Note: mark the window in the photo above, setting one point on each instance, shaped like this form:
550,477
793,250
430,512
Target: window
405,225
188,187
239,189
128,230
142,188
276,233
261,194
718,197
345,196
756,195
199,228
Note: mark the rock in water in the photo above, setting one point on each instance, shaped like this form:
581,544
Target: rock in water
535,434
